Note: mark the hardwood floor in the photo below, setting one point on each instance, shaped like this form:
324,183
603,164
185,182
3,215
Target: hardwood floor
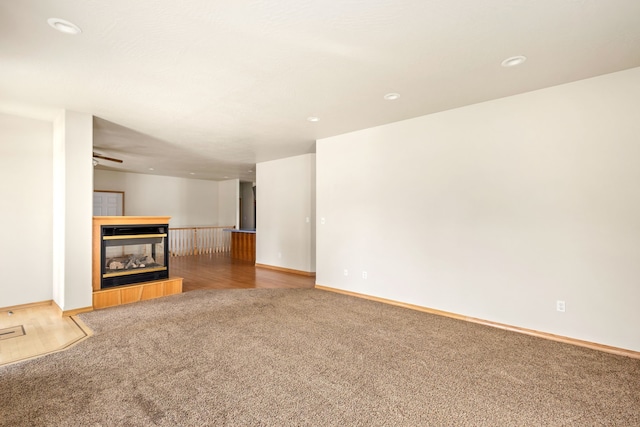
45,331
220,271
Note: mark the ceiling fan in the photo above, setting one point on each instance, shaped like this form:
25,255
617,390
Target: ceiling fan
100,156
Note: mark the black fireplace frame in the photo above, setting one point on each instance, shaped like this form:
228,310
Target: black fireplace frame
135,231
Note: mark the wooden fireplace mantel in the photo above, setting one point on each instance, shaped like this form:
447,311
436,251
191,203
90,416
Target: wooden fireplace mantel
132,293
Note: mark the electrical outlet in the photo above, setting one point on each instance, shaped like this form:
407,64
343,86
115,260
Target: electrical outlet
322,221
364,274
560,306
346,272
279,254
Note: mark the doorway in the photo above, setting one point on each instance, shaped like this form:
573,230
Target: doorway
247,206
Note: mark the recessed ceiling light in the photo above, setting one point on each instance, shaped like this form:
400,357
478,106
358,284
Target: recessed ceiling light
392,96
226,177
250,170
64,26
513,61
192,173
313,118
151,169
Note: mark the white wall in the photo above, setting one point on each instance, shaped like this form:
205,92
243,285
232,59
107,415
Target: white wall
26,169
496,210
189,202
229,203
285,216
72,210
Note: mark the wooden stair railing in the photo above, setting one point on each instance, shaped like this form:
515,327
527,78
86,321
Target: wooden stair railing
198,240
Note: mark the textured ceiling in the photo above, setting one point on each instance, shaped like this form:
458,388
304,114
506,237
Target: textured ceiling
207,88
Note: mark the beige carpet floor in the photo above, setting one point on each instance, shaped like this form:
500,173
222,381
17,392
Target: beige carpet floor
307,357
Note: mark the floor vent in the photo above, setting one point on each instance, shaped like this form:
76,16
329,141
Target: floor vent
12,332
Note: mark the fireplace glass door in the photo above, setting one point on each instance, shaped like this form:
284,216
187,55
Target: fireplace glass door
132,254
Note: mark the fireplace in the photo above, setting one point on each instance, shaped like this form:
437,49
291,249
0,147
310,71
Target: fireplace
133,253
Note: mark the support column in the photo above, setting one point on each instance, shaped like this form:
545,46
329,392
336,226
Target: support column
72,210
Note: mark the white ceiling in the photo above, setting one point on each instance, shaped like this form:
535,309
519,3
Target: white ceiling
210,87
